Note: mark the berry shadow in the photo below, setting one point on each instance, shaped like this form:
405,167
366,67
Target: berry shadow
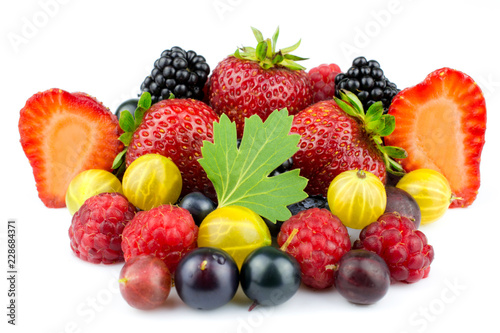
240,299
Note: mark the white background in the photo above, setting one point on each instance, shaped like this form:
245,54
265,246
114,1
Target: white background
106,50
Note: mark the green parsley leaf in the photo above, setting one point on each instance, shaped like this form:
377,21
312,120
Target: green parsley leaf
241,176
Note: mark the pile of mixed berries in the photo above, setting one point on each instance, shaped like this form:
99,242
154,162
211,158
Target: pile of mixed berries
376,159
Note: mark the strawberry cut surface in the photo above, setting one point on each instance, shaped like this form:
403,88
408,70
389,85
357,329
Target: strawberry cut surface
441,123
63,134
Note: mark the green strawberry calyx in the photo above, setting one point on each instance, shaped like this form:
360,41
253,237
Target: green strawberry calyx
377,125
266,55
129,123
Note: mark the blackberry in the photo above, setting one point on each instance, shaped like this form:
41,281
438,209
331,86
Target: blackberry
284,167
179,72
367,80
313,201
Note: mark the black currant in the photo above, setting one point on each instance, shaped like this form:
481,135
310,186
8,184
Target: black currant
270,276
198,205
362,277
130,105
206,278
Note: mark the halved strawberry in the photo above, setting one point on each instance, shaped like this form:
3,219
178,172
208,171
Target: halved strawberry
63,134
441,123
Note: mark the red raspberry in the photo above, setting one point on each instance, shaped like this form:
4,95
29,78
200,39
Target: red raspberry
319,244
323,81
96,228
167,231
404,249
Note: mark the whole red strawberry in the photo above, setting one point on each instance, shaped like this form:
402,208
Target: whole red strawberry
96,228
167,231
259,81
403,248
320,241
176,128
337,135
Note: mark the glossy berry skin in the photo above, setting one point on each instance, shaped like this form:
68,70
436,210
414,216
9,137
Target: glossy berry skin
241,88
312,201
235,229
284,167
96,228
270,276
179,72
404,249
431,191
206,278
392,179
323,81
398,200
89,183
176,128
366,79
331,142
145,282
362,277
357,198
151,181
129,104
198,205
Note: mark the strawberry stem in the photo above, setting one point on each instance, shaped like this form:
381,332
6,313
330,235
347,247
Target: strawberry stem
266,55
331,267
361,174
377,125
253,306
289,240
129,124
